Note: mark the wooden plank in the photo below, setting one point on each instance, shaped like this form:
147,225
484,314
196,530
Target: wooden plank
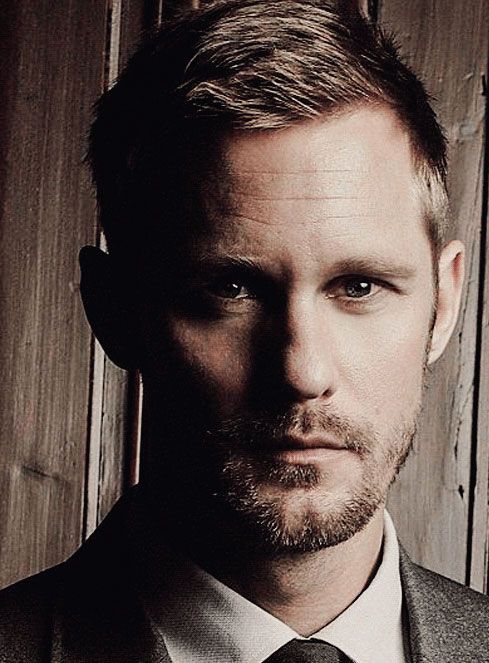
446,42
137,17
52,66
115,435
102,449
168,8
114,439
480,536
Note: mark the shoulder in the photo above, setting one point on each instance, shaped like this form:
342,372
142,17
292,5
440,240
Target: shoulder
26,616
448,595
446,619
85,609
30,609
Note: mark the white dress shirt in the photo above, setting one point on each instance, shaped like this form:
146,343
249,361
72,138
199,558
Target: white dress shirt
202,620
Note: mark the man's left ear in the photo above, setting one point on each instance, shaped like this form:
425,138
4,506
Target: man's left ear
450,284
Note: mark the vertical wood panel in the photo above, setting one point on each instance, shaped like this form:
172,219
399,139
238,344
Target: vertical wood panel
53,71
115,399
480,538
446,42
168,8
67,413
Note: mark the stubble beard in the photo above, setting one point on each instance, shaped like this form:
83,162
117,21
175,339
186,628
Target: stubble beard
320,519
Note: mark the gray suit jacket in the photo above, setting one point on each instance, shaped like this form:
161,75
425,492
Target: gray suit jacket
86,610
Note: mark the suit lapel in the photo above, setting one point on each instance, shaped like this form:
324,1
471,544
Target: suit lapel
420,639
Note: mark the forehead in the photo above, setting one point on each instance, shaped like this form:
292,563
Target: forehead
341,181
345,155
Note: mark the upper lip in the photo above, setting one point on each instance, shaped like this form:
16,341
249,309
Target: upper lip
293,441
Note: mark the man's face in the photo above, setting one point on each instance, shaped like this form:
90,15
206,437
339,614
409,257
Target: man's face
291,351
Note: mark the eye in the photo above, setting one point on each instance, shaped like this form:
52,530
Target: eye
229,289
352,289
357,288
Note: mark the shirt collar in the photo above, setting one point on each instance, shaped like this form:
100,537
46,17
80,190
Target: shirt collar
203,620
370,629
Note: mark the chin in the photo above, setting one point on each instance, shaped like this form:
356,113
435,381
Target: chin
284,521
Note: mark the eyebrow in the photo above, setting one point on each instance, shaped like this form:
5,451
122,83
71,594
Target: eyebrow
355,265
300,171
297,197
228,262
374,265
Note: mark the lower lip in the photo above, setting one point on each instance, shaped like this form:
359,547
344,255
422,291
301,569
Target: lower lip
313,455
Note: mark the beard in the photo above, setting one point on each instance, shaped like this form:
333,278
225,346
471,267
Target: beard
276,507
221,482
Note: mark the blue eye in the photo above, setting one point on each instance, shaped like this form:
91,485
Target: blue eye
351,290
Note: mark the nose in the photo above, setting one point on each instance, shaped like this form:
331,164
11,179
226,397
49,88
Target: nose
309,365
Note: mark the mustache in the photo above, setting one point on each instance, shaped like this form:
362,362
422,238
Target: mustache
264,431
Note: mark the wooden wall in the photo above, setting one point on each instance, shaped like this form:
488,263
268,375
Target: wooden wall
68,436
440,502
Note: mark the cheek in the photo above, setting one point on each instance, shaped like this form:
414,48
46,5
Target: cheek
386,370
216,357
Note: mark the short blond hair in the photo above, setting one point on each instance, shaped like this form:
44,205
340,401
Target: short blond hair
251,65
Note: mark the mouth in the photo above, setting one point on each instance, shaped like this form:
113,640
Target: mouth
306,449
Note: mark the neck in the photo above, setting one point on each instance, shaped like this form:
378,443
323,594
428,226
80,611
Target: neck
307,591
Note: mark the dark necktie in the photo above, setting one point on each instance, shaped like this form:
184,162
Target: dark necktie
308,651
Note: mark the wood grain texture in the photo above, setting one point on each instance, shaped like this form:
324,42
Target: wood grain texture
480,535
137,17
52,71
115,407
446,42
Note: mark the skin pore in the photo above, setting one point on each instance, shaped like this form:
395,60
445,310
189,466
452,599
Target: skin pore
283,377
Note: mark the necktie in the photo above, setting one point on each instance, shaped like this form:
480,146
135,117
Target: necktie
308,651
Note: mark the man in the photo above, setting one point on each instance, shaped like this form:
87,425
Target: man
271,182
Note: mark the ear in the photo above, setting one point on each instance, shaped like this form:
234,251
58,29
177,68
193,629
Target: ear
109,309
450,284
